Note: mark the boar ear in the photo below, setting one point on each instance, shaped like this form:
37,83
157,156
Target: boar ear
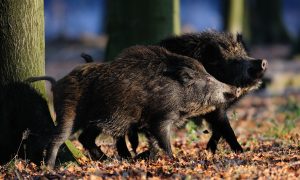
186,76
239,37
240,40
171,44
182,74
184,44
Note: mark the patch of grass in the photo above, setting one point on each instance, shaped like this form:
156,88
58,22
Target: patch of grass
280,130
10,166
192,131
234,116
291,112
292,108
251,141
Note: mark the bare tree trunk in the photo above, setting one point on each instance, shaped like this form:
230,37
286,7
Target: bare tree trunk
134,22
266,22
259,20
233,13
22,47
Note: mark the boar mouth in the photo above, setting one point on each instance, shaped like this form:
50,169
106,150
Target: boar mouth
248,83
250,87
256,74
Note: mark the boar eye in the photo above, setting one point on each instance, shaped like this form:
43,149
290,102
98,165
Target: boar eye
223,46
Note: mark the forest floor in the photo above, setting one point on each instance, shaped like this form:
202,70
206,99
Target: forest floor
267,127
266,123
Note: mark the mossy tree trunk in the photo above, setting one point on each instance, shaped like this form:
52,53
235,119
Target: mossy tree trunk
22,47
134,22
22,44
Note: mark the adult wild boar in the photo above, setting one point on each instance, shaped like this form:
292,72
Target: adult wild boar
145,85
224,57
25,122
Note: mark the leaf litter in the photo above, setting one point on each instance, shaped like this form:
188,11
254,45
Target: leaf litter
266,126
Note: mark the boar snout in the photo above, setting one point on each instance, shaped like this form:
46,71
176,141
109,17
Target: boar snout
264,64
258,68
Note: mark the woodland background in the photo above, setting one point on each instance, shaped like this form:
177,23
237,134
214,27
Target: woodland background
266,122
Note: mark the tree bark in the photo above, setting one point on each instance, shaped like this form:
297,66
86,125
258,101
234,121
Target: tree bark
134,22
22,47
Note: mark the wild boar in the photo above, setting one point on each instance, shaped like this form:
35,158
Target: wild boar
224,57
25,122
145,85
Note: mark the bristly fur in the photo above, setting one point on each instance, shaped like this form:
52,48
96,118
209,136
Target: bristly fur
145,85
222,54
225,57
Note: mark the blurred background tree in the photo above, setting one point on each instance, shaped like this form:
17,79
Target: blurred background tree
296,47
259,21
233,15
134,22
75,26
266,24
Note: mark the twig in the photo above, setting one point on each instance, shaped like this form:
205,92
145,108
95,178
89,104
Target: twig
18,174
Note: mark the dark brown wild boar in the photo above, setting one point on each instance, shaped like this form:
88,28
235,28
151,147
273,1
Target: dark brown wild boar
148,86
224,57
25,123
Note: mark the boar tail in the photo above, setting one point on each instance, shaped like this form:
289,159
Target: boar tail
40,78
88,58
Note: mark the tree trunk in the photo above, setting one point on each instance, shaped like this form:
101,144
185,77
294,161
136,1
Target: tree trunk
233,15
260,21
266,22
134,22
22,47
22,44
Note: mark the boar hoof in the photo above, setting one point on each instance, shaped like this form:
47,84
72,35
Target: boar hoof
237,149
144,155
97,155
212,146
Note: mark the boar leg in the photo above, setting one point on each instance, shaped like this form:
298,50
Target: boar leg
133,139
213,141
122,148
161,132
87,139
220,125
153,150
62,132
